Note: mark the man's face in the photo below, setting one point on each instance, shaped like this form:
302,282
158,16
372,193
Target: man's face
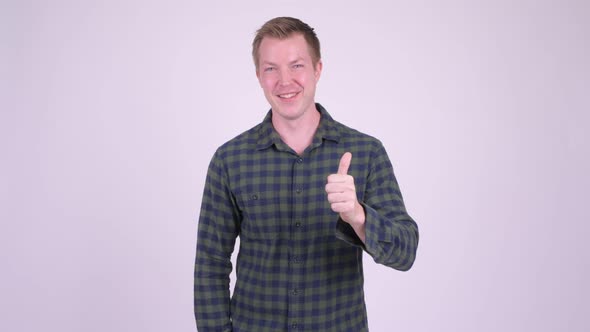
287,75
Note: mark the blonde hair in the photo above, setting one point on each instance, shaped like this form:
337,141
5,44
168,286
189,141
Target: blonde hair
282,28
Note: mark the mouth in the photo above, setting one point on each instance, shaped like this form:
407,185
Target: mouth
288,96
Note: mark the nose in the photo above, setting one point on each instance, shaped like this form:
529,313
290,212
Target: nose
284,77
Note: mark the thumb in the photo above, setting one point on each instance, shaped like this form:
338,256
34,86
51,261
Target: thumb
344,163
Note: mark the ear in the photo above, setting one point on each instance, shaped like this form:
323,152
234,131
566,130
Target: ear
318,70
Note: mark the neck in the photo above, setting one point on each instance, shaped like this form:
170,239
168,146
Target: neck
297,133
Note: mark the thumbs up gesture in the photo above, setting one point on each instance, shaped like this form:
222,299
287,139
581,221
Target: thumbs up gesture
342,194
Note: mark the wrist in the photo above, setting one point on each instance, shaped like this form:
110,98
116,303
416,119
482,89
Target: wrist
359,216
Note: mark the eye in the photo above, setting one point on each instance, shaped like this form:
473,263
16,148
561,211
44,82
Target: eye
297,66
269,69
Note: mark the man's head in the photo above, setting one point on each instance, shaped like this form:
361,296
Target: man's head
282,28
287,67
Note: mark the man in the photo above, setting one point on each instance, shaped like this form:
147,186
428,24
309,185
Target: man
302,229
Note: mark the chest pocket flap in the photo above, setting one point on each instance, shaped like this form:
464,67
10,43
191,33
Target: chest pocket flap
261,214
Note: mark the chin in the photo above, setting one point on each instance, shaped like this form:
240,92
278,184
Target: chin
290,114
289,111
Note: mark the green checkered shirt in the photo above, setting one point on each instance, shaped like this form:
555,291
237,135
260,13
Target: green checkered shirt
299,266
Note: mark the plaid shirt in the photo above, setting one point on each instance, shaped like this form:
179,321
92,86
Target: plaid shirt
299,266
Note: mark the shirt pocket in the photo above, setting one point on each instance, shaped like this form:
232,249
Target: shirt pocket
261,215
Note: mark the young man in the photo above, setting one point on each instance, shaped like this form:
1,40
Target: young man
306,195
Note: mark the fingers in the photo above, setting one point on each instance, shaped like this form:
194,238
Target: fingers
340,187
339,197
342,207
344,163
338,184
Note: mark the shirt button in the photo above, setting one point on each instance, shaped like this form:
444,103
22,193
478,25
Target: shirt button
294,326
295,292
299,160
298,224
298,190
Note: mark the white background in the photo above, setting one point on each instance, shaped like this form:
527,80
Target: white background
111,111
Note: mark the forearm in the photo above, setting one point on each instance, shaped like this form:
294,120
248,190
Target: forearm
211,293
217,232
390,234
391,241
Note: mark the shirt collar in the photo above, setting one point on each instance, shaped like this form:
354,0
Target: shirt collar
327,129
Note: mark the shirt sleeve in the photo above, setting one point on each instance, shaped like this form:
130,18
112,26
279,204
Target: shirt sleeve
217,232
391,235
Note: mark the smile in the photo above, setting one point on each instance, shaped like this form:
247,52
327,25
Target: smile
288,95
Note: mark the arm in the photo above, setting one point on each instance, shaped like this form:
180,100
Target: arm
218,229
390,234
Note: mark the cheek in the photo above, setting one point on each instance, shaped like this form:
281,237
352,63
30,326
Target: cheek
306,78
267,83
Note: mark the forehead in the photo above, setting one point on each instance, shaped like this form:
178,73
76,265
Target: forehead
287,49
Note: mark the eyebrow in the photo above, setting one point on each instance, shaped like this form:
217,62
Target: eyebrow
274,64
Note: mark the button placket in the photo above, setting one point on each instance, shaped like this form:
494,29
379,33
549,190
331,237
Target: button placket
296,248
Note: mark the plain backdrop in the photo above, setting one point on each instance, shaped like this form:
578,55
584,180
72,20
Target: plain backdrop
111,111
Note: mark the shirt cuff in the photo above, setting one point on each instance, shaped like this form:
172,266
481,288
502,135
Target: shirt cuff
346,233
376,232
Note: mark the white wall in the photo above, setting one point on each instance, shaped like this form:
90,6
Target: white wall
111,110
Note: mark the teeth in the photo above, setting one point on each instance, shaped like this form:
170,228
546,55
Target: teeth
289,95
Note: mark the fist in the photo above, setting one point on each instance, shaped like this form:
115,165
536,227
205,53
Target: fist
342,193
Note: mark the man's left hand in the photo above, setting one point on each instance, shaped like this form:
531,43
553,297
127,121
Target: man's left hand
342,195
